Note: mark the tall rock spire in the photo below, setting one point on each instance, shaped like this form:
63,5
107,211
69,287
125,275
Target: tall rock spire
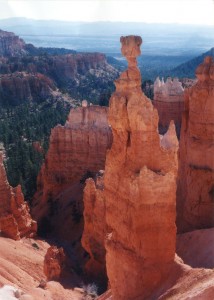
139,187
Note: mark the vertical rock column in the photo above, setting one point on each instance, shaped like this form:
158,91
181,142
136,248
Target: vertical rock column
93,238
195,194
15,219
140,187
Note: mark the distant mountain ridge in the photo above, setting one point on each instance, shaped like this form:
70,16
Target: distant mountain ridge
187,69
24,25
158,39
12,45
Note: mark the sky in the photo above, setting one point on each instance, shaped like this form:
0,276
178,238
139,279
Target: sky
151,11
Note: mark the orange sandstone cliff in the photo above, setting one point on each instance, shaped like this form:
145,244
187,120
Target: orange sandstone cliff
15,219
195,194
77,151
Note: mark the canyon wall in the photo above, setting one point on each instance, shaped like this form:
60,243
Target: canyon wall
15,219
11,45
195,194
82,75
169,101
61,68
139,190
76,151
21,87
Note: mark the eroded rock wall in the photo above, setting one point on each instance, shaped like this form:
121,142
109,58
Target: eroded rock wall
169,101
93,238
15,219
195,194
11,45
77,151
19,87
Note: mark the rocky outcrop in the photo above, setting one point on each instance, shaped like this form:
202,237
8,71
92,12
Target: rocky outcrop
80,74
11,44
54,263
21,87
169,101
140,186
22,266
183,283
59,67
15,219
76,152
195,193
93,238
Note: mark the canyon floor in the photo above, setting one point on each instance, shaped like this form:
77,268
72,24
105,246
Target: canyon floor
22,267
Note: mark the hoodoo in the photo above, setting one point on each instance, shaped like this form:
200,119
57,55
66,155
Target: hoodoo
15,219
140,185
195,194
139,189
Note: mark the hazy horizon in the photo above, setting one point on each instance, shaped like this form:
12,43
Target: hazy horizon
187,12
85,22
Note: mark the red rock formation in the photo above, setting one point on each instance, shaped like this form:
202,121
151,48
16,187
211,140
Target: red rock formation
140,185
22,266
11,45
169,101
94,229
77,151
15,220
61,68
78,73
67,66
183,283
20,87
195,194
54,263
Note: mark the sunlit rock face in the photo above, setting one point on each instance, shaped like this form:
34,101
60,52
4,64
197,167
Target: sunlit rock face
15,219
195,194
169,101
139,189
76,152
